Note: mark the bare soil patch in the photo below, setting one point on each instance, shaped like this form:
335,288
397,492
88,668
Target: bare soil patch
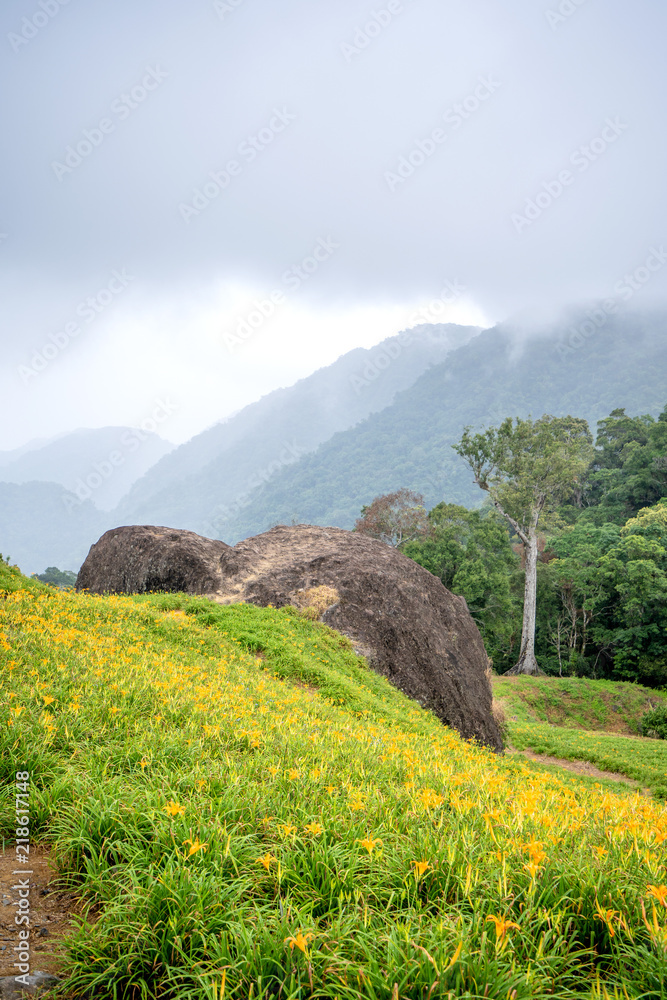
576,766
52,912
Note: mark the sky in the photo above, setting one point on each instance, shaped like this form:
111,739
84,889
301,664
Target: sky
204,201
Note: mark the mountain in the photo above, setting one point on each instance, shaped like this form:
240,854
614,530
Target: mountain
98,465
203,482
561,369
41,525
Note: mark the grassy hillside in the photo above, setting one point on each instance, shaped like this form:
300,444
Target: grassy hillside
580,719
498,374
250,812
576,702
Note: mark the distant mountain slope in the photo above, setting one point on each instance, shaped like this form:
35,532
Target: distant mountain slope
498,374
211,476
41,525
99,464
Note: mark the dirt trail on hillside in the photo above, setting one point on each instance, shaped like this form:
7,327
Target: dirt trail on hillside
52,912
578,767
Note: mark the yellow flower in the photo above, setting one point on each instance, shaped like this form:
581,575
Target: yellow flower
195,846
293,774
331,789
314,828
532,868
369,843
273,771
356,803
143,763
174,809
266,860
315,773
600,851
420,868
502,926
287,829
659,892
300,940
48,699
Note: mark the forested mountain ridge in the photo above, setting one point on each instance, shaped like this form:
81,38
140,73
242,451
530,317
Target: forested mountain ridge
501,372
216,470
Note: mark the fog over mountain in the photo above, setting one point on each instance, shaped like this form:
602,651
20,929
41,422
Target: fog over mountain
206,202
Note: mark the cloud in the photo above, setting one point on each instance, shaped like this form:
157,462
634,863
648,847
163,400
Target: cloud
262,119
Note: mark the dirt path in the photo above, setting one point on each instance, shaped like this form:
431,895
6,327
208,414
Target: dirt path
51,912
576,766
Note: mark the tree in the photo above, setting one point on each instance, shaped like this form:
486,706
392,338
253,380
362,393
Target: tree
470,551
631,618
528,468
394,518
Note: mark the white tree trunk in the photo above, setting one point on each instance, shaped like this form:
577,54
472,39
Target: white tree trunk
527,664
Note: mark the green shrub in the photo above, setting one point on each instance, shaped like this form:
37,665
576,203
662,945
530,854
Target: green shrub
654,723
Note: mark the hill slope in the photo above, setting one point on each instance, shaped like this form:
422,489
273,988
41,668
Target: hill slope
215,471
498,374
241,834
101,463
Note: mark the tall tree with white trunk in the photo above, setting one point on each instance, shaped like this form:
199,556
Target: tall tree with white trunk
528,467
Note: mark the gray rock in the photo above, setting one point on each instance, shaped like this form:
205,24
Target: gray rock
10,989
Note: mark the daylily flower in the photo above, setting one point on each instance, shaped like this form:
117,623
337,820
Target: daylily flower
266,860
659,892
195,846
369,844
299,940
420,868
174,809
502,926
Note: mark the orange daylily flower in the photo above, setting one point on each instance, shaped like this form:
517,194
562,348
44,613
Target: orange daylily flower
299,940
659,892
369,844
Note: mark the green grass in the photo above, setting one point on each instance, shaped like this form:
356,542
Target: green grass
239,836
576,702
641,759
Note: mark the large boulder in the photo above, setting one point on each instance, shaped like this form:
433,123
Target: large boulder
410,628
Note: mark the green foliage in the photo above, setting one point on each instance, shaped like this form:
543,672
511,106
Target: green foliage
629,471
58,577
654,722
528,467
470,551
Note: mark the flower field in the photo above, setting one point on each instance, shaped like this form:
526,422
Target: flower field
248,812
